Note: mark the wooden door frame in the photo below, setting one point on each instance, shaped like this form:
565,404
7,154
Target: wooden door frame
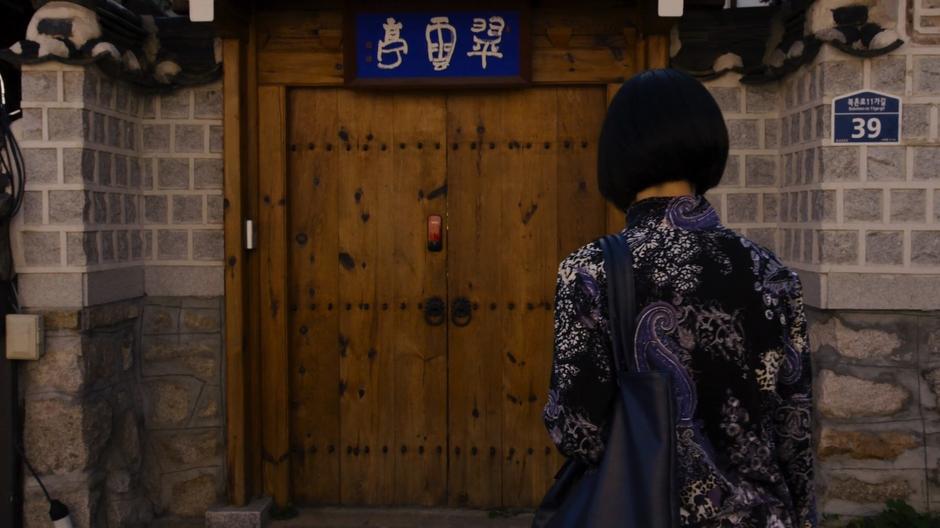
235,273
256,351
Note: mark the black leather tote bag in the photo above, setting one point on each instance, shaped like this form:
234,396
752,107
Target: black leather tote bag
635,484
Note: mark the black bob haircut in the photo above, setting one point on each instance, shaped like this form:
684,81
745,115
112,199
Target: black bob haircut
661,126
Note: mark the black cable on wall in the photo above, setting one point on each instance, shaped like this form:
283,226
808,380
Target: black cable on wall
12,178
12,186
11,488
16,16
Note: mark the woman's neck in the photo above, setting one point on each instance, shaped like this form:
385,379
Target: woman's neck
666,190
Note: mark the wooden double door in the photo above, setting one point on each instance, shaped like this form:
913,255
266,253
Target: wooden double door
418,377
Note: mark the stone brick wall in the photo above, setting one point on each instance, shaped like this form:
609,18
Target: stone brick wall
119,244
79,225
748,198
182,202
861,222
925,21
124,189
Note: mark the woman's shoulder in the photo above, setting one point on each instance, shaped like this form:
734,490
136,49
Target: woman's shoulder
587,260
765,263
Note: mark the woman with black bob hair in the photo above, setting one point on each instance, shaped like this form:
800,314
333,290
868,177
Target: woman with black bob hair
721,315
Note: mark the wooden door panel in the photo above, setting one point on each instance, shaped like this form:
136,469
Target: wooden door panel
475,378
415,274
368,386
521,195
314,324
365,403
384,408
581,216
527,270
274,288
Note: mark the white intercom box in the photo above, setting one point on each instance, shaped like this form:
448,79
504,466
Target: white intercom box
670,8
24,338
201,10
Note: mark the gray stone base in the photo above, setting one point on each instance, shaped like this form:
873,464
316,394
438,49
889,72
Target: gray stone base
406,518
254,515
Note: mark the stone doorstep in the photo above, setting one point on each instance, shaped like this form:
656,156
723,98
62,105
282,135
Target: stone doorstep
257,515
406,517
253,515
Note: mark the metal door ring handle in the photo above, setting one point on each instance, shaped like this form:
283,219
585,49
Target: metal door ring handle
462,312
435,311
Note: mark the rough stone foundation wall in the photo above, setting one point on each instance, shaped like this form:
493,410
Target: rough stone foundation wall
878,380
180,374
83,419
119,245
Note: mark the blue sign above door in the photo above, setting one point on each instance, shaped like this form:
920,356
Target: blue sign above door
449,47
866,117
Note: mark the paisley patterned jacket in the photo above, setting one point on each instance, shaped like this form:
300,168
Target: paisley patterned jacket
725,319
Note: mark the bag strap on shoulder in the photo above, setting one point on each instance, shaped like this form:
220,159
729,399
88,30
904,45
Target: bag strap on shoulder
621,298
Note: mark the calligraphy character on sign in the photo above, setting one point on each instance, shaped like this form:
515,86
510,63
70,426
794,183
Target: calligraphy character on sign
487,47
392,44
442,39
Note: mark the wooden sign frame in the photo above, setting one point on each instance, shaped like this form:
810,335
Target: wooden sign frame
350,42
